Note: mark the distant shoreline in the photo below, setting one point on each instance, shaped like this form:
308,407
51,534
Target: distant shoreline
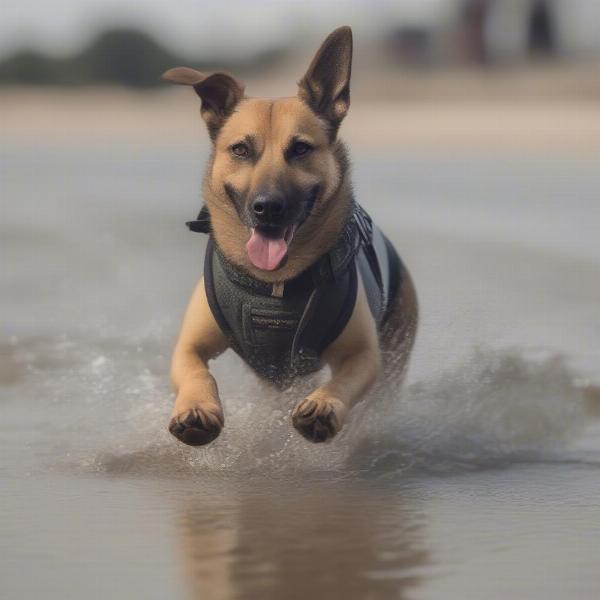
445,113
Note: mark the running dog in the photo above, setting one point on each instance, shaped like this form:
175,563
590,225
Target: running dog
296,275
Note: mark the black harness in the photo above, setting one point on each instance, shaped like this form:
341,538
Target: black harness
281,330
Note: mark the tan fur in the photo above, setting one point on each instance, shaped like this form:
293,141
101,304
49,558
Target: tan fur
200,340
355,357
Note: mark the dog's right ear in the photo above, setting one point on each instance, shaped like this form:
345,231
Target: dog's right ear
219,93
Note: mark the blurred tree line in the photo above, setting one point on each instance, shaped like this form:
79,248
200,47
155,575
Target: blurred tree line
128,57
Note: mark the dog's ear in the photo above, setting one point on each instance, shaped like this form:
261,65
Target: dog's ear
219,92
326,85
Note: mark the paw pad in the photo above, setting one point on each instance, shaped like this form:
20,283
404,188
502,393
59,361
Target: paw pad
317,421
196,427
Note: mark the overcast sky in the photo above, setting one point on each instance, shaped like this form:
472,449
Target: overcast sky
193,26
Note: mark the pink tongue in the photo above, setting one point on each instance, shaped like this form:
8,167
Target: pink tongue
265,253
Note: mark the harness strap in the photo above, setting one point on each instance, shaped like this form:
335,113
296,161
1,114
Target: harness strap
298,348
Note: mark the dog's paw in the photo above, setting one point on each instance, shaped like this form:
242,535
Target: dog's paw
197,426
319,419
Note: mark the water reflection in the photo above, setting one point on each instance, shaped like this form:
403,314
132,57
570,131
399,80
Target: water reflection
295,539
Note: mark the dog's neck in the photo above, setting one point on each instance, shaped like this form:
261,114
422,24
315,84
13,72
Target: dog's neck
314,238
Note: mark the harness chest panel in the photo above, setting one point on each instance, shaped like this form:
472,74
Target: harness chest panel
280,338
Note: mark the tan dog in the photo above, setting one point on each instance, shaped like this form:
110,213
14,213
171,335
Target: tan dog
279,196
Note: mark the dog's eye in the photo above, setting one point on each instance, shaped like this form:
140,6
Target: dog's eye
240,150
301,149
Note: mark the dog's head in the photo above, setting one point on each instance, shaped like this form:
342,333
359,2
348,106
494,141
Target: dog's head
273,186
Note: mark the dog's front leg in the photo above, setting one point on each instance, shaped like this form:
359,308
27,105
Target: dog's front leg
355,361
197,416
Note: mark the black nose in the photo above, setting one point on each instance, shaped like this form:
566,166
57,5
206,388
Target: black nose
268,209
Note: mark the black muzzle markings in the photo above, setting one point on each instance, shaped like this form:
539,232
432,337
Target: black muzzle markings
273,213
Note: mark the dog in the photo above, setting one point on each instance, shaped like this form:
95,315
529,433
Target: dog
296,275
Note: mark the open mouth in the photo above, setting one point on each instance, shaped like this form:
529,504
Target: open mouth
268,246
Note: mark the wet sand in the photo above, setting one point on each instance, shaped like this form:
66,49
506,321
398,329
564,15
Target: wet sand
478,479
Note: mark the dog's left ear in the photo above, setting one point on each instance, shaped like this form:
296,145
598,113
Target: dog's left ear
326,85
219,92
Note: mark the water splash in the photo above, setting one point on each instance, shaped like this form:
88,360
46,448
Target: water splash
106,405
499,406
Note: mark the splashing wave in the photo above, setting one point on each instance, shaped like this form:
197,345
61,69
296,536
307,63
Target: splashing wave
106,406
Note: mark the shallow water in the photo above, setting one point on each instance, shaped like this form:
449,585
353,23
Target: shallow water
479,479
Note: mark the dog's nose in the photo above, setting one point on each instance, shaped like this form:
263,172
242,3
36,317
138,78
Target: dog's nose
268,209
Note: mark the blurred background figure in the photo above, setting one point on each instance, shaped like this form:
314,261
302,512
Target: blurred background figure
495,31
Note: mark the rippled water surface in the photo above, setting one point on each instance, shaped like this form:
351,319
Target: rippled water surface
479,479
